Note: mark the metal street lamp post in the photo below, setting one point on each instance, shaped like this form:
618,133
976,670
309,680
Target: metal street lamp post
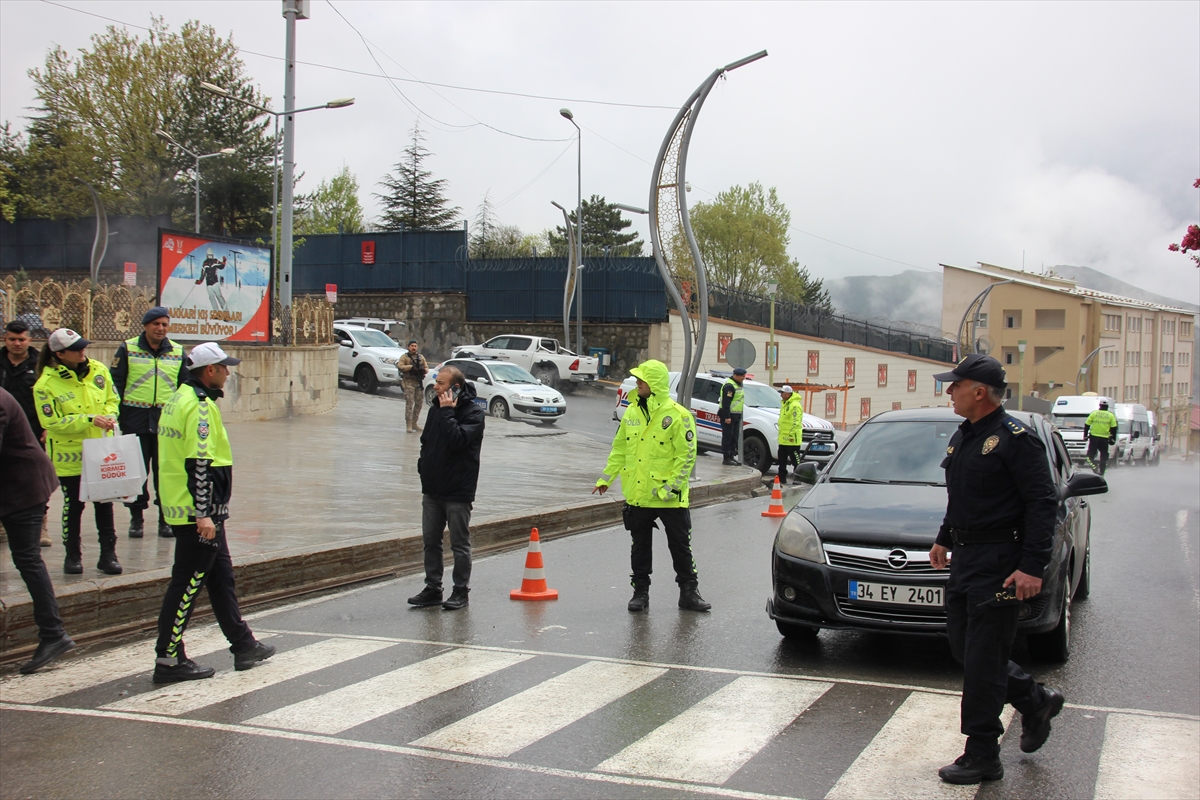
566,112
1083,368
1021,393
772,358
224,151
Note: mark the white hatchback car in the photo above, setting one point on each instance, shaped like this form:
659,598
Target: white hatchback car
505,390
760,420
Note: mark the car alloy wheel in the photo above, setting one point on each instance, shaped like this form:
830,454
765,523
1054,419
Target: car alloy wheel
498,408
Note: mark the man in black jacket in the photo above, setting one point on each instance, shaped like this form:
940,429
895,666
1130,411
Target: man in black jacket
18,374
449,470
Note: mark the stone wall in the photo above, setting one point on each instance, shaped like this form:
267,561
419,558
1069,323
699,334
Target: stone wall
439,322
270,382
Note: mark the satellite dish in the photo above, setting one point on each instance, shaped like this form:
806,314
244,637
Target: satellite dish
983,345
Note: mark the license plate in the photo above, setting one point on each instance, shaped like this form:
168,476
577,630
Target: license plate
896,595
818,448
549,409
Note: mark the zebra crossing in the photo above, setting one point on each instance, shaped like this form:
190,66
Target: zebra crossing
714,732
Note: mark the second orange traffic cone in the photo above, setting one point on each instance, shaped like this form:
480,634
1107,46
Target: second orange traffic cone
533,586
776,507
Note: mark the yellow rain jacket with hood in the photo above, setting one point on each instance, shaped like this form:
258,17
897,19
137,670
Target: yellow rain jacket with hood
655,446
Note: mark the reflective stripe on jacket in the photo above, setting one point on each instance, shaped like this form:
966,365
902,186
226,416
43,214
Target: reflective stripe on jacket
655,447
791,421
195,462
151,379
66,405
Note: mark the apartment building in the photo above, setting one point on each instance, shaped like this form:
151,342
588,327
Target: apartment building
1075,340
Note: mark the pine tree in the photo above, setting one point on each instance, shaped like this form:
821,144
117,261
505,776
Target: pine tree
415,200
602,228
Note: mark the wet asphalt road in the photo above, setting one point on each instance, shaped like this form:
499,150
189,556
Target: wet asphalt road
1135,657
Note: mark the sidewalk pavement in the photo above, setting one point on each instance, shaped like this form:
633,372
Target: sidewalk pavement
321,501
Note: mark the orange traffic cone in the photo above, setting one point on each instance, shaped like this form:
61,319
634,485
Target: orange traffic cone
776,507
533,586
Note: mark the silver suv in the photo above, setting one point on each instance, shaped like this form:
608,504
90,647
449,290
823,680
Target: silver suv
367,356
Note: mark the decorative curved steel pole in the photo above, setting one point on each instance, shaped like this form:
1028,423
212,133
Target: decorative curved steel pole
569,285
672,158
970,320
100,243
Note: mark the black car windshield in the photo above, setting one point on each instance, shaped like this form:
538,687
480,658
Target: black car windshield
896,452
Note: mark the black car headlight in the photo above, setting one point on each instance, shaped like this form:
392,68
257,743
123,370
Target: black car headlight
799,538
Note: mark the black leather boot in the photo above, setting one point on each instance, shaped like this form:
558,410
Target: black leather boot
641,597
108,563
690,599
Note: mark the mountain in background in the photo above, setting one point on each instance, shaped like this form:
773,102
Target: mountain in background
915,297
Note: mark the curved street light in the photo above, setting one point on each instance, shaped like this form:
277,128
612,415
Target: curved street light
224,151
577,291
569,284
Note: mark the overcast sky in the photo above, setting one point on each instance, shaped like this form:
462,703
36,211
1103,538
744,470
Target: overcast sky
917,132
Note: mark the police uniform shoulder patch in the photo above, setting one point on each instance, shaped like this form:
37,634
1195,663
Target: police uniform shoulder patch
990,444
202,429
950,450
99,381
690,435
667,420
117,358
46,410
1014,427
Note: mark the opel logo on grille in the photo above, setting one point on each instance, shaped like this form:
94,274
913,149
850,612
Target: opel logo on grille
897,559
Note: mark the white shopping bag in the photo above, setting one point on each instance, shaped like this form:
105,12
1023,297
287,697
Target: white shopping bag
112,469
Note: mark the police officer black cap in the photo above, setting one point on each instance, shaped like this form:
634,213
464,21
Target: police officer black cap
976,367
739,371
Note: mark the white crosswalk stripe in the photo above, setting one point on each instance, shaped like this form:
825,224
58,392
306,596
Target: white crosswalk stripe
353,705
903,759
506,727
115,664
714,738
176,699
1148,757
703,749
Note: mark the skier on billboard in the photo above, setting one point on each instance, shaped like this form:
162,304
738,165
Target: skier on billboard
208,275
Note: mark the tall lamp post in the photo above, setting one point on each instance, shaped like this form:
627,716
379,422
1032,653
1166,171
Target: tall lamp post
566,112
772,358
220,91
1021,393
166,137
1080,386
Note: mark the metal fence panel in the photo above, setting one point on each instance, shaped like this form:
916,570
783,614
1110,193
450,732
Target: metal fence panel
614,290
405,261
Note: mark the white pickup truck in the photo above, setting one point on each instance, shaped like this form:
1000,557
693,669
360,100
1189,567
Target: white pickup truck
546,359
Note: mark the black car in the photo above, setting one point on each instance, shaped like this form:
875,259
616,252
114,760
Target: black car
854,553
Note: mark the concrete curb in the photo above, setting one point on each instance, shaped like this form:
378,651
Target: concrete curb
125,603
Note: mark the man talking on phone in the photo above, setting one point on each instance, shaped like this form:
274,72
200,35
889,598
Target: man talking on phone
449,470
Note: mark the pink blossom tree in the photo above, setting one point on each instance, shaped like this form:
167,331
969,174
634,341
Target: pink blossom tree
1191,239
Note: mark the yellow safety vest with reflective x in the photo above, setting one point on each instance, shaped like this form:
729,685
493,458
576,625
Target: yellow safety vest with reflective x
791,421
739,396
655,446
1100,423
152,379
66,406
195,460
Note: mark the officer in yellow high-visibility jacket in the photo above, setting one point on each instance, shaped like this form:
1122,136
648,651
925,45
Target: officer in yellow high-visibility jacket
791,431
75,401
196,476
653,453
1102,431
147,370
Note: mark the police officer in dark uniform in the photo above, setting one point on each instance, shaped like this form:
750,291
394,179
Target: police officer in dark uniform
999,522
730,414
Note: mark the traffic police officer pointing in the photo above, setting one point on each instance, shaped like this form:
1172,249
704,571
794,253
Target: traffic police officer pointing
653,453
999,522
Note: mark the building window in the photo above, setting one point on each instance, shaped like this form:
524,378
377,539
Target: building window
1112,358
864,408
1135,324
1112,322
982,320
1164,390
1145,391
814,362
1133,358
1181,389
912,380
1168,327
1168,359
1050,318
882,376
1185,329
1012,318
1009,355
1185,359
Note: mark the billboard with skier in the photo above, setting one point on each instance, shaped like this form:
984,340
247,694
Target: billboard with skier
216,288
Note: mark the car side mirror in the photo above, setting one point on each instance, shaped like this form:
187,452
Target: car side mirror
482,380
807,473
343,343
1085,483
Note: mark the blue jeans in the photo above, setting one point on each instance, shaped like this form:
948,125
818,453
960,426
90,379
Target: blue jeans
24,529
436,515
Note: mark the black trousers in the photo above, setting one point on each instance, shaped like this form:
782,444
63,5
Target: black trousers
729,435
1099,444
24,529
981,638
639,521
72,519
788,453
149,445
200,564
